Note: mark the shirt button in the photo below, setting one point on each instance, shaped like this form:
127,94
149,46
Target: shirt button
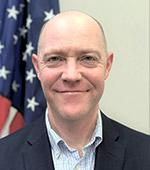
77,167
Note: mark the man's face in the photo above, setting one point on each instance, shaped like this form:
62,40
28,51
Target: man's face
72,66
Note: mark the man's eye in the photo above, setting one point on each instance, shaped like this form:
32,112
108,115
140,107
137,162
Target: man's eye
53,60
89,60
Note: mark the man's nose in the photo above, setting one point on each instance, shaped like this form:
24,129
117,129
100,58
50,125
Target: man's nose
71,72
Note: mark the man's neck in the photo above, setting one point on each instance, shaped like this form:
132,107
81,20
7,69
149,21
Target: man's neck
77,133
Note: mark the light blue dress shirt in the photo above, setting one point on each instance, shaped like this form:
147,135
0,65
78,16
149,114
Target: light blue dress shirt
67,158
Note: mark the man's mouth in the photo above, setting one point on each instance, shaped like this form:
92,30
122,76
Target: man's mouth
72,91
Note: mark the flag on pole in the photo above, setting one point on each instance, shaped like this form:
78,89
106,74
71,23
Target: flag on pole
21,96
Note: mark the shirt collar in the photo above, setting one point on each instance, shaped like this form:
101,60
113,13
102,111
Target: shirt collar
97,135
56,140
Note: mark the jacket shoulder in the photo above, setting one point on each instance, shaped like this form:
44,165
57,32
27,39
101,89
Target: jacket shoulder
129,134
16,141
136,143
124,131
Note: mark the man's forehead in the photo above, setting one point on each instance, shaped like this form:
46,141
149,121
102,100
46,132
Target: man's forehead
74,21
71,19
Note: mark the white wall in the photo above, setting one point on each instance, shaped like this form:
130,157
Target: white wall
126,25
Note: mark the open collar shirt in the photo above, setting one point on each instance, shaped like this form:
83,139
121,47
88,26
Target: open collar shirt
67,158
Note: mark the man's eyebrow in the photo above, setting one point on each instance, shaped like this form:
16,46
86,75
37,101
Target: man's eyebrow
64,51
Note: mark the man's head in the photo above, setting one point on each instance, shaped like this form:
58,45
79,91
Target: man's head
72,64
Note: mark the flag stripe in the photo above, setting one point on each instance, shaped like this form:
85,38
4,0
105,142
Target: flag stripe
5,130
17,123
5,105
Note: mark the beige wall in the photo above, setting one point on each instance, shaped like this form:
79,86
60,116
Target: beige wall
126,25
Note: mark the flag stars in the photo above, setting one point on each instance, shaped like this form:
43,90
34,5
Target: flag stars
28,51
29,48
15,86
15,37
48,15
12,12
1,47
32,103
30,75
28,21
23,32
4,72
24,56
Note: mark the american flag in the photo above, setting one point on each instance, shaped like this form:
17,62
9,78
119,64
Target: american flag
21,97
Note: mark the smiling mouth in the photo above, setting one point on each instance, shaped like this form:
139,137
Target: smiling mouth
72,91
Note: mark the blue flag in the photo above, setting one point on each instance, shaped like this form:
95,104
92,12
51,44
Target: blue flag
21,96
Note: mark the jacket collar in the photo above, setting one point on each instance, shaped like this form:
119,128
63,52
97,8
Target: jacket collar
110,153
37,151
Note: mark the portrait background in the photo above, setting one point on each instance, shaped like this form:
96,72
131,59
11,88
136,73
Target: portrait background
126,25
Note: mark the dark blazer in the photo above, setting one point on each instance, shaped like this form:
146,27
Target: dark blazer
121,149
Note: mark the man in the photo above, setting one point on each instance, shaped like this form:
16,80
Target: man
72,65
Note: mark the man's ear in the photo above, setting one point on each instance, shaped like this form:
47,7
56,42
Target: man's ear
109,62
35,59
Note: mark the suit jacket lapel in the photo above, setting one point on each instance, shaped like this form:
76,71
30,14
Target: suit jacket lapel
110,153
37,152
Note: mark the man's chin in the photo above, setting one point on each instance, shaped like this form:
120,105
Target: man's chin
72,115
